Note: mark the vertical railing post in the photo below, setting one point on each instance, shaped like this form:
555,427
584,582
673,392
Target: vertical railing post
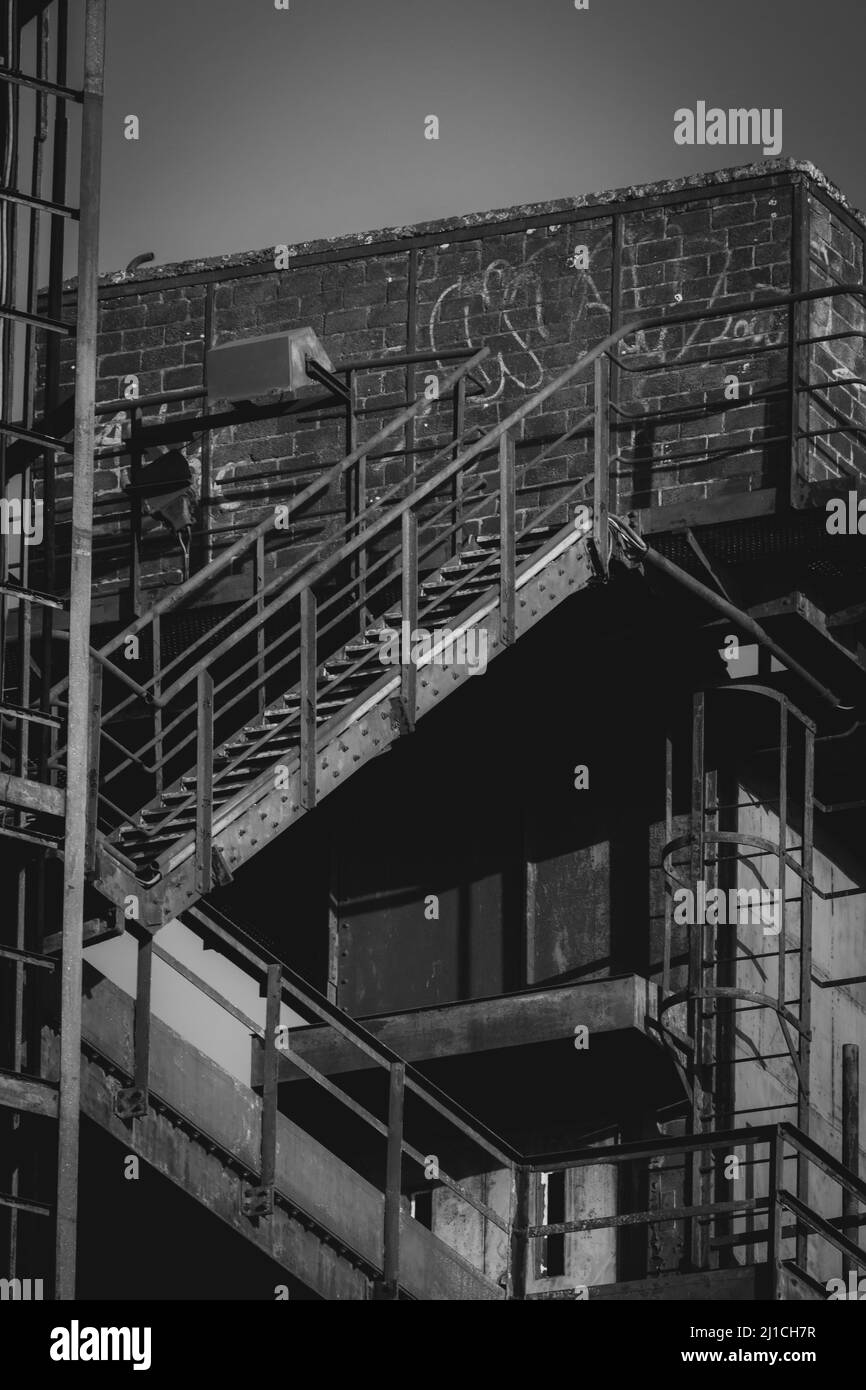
204,784
131,1102
393,1182
206,544
458,427
781,873
259,1201
409,616
259,592
850,1141
271,1077
94,740
696,1242
805,981
363,614
669,833
601,462
158,745
800,355
308,699
775,1180
135,457
519,1246
142,1021
507,539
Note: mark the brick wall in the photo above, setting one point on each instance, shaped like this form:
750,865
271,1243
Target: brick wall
537,286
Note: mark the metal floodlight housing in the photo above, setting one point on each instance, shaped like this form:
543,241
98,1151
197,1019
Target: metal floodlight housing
251,367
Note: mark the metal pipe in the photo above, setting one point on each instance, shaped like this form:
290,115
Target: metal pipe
79,652
741,620
393,1184
850,1138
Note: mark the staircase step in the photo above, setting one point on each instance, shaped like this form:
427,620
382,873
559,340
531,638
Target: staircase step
225,786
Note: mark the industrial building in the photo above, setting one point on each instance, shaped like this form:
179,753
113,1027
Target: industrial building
432,699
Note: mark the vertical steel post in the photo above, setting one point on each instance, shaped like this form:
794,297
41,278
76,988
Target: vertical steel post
93,767
393,1180
270,1088
601,457
781,873
458,429
696,1232
799,356
52,365
614,380
259,593
204,784
333,985
158,745
775,1180
79,651
669,832
206,548
507,540
363,614
308,699
519,1240
135,459
409,616
144,980
850,1140
805,981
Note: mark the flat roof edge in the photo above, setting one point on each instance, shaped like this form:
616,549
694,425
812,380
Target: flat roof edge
264,257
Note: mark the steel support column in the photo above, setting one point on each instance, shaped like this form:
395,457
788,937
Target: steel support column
79,651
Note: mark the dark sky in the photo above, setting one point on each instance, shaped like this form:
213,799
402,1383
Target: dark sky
261,126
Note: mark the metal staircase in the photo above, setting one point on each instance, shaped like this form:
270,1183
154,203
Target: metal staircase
285,696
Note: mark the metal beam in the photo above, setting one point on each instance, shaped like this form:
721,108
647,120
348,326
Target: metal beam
25,1093
31,796
79,652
